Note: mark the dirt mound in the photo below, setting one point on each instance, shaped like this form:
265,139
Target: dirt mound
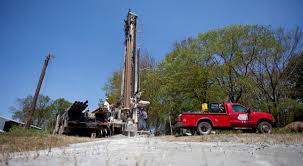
295,126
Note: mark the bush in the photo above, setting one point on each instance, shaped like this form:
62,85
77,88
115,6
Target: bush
20,132
295,126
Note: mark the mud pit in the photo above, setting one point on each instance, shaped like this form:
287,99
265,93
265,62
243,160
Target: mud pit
121,150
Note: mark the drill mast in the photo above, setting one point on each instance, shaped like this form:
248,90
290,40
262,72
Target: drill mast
130,76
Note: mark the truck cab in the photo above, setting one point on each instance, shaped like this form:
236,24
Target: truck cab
225,115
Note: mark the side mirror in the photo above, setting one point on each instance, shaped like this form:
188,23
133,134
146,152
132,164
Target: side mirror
248,111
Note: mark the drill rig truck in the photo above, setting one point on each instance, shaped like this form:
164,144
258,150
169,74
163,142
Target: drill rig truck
124,118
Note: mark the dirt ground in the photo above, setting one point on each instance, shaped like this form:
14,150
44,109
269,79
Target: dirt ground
213,150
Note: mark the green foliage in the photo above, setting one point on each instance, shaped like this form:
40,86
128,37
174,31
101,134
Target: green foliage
57,107
20,132
281,130
251,64
113,88
60,105
42,112
296,77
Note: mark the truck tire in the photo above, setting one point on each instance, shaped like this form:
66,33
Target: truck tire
265,127
204,128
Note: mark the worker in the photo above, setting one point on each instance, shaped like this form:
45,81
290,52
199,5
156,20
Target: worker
144,116
108,109
142,119
107,105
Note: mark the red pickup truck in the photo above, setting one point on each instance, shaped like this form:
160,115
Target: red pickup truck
225,115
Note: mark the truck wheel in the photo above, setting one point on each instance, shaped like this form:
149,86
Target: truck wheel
265,127
204,128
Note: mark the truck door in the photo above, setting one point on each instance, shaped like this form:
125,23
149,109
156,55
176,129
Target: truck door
239,116
220,117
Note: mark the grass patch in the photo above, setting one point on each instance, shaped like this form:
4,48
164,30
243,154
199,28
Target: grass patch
282,131
20,140
20,132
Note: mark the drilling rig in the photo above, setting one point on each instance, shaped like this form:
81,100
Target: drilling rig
130,85
124,116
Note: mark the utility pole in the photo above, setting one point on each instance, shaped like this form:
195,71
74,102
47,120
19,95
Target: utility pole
34,102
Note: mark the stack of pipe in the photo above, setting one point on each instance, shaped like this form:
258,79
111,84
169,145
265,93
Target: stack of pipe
75,112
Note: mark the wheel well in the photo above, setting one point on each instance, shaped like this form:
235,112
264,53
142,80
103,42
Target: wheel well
262,120
205,120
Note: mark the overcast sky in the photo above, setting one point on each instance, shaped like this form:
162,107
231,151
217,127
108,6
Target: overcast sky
87,36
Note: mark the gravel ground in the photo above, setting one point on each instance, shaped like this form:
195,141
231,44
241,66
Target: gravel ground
120,150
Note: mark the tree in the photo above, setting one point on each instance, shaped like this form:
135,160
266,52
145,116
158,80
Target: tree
269,70
46,110
57,108
42,113
184,78
295,72
232,51
60,105
113,87
252,64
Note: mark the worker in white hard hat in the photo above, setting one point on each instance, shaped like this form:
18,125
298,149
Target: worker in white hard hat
108,109
107,105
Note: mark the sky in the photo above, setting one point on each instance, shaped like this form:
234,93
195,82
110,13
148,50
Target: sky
86,37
